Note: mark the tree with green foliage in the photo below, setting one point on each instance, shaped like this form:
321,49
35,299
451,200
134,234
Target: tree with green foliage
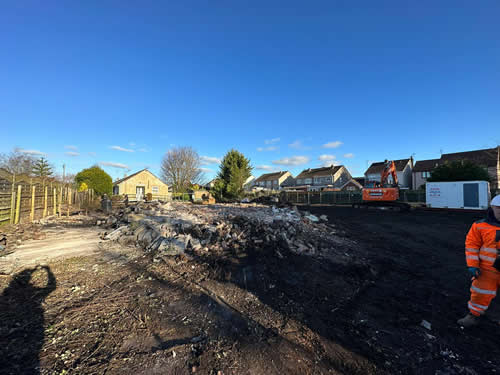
95,178
233,172
464,170
42,168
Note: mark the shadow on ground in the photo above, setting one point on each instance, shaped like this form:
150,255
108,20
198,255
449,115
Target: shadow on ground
22,320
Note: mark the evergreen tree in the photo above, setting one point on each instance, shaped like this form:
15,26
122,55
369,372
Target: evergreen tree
233,172
42,168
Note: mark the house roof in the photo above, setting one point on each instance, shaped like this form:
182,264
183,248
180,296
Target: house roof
325,171
487,157
270,176
360,180
352,181
132,175
426,165
379,166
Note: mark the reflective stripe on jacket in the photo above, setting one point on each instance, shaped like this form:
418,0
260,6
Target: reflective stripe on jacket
482,244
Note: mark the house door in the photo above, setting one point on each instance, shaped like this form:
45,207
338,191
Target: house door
139,192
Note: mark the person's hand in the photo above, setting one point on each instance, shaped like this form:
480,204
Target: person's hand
474,271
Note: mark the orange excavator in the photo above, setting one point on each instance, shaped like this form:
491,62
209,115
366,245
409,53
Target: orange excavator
383,194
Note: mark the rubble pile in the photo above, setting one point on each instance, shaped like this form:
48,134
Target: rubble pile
173,228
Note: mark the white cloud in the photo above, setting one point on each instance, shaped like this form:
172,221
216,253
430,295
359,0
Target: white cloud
334,144
30,152
326,157
269,148
297,145
71,147
206,170
143,149
271,141
92,153
349,155
206,160
115,165
72,153
119,148
328,160
327,163
131,144
268,168
294,160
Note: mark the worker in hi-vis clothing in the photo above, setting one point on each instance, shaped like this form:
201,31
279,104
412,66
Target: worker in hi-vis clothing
481,253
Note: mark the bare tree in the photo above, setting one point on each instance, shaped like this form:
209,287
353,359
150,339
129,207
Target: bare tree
180,168
17,162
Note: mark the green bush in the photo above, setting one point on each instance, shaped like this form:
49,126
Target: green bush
95,178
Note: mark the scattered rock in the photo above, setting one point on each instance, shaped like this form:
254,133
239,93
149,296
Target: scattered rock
426,325
116,233
312,218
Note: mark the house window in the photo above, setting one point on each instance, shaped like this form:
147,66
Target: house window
155,189
300,181
351,188
308,181
426,174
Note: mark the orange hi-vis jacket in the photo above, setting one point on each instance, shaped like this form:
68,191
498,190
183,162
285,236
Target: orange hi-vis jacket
482,244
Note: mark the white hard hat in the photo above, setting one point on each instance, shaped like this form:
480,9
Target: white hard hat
496,201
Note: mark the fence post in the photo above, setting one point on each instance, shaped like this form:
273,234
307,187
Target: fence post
18,203
54,211
45,202
12,206
60,201
68,200
32,214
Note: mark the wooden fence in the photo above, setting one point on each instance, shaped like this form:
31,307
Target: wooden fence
25,199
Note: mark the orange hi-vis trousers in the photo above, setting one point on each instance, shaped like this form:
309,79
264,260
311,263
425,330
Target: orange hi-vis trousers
481,251
483,290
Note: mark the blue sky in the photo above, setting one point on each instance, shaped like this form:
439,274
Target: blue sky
291,84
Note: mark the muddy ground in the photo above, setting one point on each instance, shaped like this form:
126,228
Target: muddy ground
249,311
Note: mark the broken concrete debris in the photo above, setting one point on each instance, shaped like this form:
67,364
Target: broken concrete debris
426,325
173,228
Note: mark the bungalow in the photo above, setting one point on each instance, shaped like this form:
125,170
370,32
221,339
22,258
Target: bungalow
137,185
404,169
